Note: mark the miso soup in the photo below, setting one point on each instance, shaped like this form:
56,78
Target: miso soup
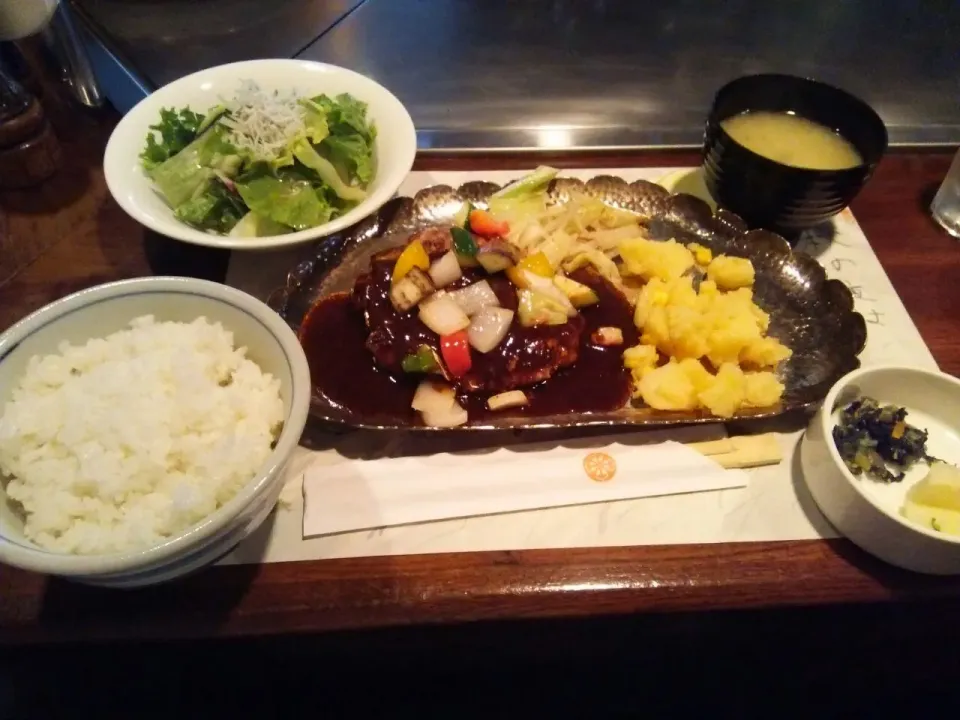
792,140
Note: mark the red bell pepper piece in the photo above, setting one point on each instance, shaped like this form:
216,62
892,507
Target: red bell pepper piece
455,349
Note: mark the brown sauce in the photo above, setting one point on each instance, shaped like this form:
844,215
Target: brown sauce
597,382
343,370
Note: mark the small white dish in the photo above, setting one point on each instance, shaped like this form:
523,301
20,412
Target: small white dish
396,143
865,510
104,309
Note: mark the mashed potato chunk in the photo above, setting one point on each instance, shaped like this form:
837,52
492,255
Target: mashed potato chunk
713,351
655,259
730,273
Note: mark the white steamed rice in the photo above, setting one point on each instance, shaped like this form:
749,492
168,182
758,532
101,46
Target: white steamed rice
125,441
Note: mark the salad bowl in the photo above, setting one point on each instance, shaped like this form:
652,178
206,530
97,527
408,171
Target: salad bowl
392,140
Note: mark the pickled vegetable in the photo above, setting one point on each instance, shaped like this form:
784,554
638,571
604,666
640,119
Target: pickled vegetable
876,440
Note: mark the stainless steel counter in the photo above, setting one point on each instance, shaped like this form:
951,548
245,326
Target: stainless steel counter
166,39
478,74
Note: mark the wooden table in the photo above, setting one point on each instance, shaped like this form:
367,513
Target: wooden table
96,242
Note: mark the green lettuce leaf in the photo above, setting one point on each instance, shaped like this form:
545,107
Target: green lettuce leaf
176,130
524,197
349,146
346,116
286,197
315,130
328,175
339,205
217,208
350,154
529,185
315,121
254,225
213,114
186,174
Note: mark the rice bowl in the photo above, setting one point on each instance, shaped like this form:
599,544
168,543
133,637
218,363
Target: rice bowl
124,441
241,506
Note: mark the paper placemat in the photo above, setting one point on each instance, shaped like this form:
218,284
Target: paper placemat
774,506
342,495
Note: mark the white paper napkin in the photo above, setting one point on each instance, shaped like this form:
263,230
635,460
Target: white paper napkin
343,494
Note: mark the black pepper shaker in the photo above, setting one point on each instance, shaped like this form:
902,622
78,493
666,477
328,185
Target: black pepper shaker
18,68
29,151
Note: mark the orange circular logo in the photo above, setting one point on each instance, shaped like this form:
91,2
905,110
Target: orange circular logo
600,467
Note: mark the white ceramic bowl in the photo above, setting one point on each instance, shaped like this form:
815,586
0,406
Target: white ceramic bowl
396,142
107,308
868,511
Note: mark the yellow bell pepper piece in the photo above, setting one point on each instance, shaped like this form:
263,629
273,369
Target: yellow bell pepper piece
413,256
537,263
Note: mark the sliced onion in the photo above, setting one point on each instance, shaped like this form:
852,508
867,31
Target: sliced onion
443,315
475,297
607,336
434,397
611,239
507,400
532,234
488,328
445,270
446,418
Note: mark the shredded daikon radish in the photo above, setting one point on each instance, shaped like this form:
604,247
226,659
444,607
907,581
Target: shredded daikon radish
262,123
582,230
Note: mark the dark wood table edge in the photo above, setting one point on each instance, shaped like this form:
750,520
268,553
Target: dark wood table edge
395,591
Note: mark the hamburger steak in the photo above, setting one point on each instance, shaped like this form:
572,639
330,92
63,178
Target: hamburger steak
526,356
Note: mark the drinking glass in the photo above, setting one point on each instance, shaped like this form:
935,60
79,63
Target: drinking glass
946,204
62,39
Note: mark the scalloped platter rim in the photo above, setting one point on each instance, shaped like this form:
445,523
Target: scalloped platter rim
812,314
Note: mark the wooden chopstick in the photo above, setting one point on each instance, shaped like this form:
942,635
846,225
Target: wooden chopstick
743,451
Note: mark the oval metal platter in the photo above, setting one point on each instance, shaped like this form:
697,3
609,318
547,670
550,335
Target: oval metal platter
814,316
